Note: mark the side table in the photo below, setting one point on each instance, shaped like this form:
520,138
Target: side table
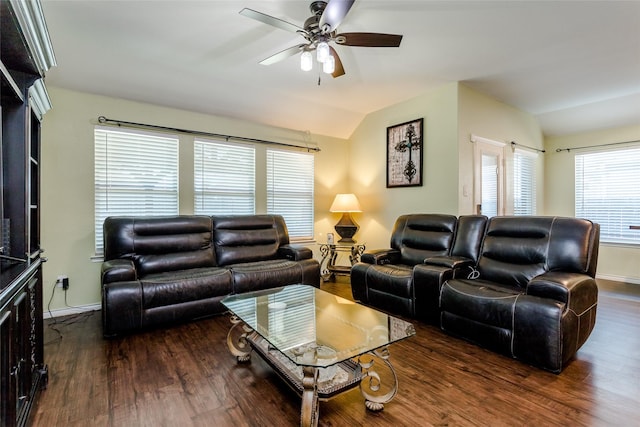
328,267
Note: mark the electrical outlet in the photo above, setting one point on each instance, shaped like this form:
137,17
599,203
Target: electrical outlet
62,282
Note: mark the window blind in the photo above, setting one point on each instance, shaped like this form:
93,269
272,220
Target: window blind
290,190
135,174
224,178
524,183
608,192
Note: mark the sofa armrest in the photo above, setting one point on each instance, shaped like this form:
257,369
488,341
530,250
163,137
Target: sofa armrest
121,307
118,270
578,291
427,283
460,266
294,252
454,262
381,256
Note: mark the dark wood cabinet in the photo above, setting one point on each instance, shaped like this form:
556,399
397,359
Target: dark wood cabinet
25,55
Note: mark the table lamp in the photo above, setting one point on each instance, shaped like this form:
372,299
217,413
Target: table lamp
346,227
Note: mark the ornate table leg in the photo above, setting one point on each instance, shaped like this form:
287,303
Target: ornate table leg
309,414
371,386
325,251
237,340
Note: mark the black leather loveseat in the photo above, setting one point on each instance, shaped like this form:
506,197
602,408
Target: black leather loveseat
391,279
162,270
529,290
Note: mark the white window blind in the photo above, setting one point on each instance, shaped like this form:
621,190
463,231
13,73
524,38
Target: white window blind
224,178
608,192
290,187
135,174
524,183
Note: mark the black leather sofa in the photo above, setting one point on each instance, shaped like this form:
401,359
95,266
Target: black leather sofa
391,279
529,291
162,270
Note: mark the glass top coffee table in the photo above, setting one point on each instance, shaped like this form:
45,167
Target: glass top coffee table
319,343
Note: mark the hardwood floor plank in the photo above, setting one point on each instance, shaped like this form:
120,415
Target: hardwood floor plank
186,376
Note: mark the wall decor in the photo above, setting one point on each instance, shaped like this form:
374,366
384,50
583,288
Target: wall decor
404,154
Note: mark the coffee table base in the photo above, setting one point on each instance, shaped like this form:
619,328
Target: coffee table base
242,340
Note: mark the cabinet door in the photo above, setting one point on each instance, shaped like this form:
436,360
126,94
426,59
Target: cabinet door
21,351
7,379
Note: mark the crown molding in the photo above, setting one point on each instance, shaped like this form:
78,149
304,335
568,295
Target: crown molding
39,98
34,29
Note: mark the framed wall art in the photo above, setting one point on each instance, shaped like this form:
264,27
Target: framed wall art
404,154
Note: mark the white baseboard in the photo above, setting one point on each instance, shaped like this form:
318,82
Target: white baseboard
71,310
633,280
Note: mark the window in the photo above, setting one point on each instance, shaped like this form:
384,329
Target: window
524,183
135,174
290,182
224,178
608,192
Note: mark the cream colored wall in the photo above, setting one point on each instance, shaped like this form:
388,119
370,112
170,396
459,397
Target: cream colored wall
614,262
451,114
367,167
67,178
485,117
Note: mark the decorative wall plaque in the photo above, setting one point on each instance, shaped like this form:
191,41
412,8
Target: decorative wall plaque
404,154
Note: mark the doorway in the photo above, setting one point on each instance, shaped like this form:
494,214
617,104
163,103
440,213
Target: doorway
488,166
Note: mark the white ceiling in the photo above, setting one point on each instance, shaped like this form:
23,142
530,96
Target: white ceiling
573,64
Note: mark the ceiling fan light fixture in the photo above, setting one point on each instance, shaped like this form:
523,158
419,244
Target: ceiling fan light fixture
318,31
329,65
306,61
322,51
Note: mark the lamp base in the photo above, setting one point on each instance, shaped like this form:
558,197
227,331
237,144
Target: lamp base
346,228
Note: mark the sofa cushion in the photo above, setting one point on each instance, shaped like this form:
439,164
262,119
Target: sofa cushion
159,263
481,301
392,279
388,287
515,249
420,236
258,275
481,312
159,244
241,239
175,287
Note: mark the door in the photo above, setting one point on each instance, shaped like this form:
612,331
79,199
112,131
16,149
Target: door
488,176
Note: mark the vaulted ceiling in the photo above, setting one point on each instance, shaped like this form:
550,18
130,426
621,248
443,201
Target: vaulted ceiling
573,64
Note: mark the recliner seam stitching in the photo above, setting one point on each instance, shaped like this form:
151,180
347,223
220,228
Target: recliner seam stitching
513,325
584,311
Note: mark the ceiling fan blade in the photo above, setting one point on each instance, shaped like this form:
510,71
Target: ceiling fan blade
368,39
333,14
339,69
282,55
270,20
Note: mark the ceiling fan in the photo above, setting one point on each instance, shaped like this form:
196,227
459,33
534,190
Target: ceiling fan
319,30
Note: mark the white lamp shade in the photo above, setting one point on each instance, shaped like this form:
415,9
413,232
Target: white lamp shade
306,61
329,65
345,203
322,51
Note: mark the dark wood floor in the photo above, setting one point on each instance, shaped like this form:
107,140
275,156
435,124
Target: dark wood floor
185,376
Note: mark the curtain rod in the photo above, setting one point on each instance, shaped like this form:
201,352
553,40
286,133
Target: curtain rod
513,144
596,146
103,119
